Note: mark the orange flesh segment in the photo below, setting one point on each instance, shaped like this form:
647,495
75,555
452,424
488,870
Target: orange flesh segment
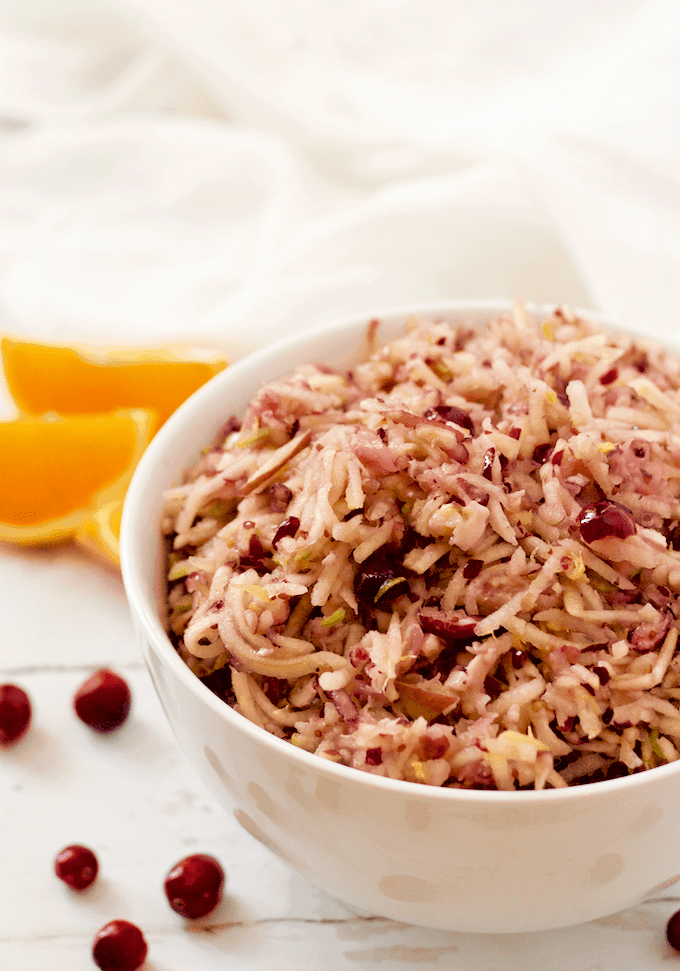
48,377
100,534
54,471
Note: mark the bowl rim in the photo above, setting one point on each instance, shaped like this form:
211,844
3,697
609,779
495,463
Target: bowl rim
147,615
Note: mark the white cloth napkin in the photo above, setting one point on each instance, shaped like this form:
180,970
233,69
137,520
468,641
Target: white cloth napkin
236,169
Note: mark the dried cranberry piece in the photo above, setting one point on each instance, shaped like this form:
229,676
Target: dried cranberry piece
673,535
472,569
374,756
15,713
601,520
609,376
489,456
452,413
642,362
279,496
673,931
377,582
449,626
541,453
255,556
517,658
602,673
649,634
119,946
433,748
103,701
288,527
194,885
77,866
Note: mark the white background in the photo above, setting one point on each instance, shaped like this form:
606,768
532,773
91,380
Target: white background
232,170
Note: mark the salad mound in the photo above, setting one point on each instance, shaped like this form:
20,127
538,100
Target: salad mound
456,564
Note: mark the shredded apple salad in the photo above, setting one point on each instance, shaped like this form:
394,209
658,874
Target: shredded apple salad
456,564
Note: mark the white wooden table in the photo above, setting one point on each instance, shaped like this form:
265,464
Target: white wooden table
134,799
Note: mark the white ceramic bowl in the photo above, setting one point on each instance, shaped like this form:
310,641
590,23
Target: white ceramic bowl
460,860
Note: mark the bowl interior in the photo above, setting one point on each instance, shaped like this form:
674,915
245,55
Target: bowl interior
178,444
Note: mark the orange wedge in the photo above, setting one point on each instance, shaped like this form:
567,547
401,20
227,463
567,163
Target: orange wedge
56,472
100,534
70,381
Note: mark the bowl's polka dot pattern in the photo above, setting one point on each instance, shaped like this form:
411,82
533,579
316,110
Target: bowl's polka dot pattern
606,868
251,827
417,816
401,886
328,795
296,792
217,767
263,801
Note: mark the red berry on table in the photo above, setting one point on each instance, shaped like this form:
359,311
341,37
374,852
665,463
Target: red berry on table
194,885
77,866
15,713
103,701
673,931
119,946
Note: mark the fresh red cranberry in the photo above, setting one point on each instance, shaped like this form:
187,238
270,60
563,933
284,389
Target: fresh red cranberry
119,946
77,866
673,931
194,885
103,701
604,519
15,713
